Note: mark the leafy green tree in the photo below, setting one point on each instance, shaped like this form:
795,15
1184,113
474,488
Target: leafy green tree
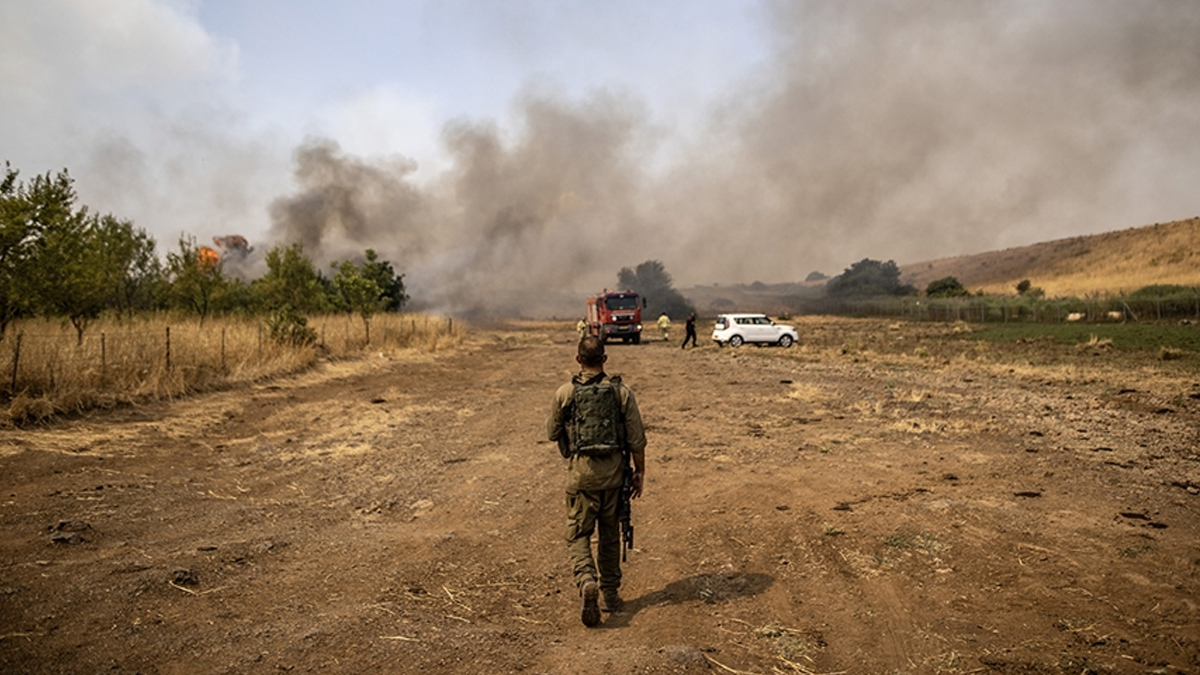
18,229
195,284
291,279
71,278
128,263
391,285
358,292
63,270
651,281
946,287
867,278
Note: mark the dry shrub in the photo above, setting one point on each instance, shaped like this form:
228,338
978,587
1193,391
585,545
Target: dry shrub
1096,343
25,409
162,357
1171,354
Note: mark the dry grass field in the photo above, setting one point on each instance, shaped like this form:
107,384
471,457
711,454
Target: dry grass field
883,497
1110,263
46,372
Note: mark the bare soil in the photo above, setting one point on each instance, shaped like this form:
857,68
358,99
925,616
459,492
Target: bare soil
878,499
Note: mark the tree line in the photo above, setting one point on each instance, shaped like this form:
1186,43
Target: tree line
875,280
60,260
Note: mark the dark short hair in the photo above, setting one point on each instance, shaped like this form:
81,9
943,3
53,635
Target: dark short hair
591,351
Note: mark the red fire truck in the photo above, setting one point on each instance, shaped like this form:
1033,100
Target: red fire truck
616,314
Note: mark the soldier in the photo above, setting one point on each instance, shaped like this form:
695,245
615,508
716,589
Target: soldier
596,422
664,325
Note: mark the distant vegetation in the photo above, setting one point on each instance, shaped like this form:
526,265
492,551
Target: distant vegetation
869,278
1142,274
651,280
141,325
58,260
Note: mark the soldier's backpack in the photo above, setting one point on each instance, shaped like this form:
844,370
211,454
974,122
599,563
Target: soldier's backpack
597,428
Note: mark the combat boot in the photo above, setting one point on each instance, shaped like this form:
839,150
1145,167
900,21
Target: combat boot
590,614
612,601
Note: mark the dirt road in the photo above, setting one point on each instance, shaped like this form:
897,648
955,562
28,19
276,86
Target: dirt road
826,508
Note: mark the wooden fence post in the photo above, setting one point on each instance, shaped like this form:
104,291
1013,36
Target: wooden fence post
16,359
168,349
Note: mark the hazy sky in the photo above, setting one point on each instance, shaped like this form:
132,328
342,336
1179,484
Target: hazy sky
497,145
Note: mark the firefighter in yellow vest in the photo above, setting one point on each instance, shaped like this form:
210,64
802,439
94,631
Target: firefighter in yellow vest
664,325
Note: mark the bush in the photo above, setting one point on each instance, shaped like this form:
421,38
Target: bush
287,326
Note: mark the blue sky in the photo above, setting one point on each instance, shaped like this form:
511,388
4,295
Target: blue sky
734,140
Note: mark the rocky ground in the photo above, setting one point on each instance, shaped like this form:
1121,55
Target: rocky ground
880,498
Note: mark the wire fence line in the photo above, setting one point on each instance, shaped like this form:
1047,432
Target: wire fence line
987,309
44,358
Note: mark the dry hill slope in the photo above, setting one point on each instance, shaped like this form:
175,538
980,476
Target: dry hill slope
1113,262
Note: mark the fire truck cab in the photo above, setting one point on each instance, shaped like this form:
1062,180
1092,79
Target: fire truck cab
616,314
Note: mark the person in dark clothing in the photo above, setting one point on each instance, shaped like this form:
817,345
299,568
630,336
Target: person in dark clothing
691,331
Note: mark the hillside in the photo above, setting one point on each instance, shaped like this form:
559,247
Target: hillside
1109,263
1113,262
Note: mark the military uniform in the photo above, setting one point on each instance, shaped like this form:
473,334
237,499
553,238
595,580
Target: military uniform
594,489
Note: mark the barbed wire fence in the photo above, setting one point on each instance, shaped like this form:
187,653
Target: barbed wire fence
992,309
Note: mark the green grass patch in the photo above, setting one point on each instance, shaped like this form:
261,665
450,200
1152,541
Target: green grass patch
1127,337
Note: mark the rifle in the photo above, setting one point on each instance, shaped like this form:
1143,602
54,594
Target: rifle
625,507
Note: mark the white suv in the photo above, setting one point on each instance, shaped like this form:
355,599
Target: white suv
735,329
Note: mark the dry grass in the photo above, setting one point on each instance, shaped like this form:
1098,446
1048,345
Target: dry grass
1109,263
160,357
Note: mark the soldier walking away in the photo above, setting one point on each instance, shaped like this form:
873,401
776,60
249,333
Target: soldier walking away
664,325
596,423
691,331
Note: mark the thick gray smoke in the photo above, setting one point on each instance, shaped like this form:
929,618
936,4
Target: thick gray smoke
511,223
892,130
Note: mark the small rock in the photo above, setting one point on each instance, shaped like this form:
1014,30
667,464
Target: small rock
181,576
685,655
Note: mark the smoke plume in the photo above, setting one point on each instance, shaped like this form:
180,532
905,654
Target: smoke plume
905,130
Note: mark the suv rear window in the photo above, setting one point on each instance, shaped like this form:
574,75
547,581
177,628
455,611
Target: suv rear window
722,322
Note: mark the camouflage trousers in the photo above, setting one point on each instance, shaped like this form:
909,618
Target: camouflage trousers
589,511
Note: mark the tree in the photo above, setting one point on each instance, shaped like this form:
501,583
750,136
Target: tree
651,281
63,273
867,278
391,285
18,229
946,287
1025,288
194,285
358,292
291,280
129,265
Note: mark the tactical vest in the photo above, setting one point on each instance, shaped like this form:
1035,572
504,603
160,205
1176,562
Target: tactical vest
597,428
